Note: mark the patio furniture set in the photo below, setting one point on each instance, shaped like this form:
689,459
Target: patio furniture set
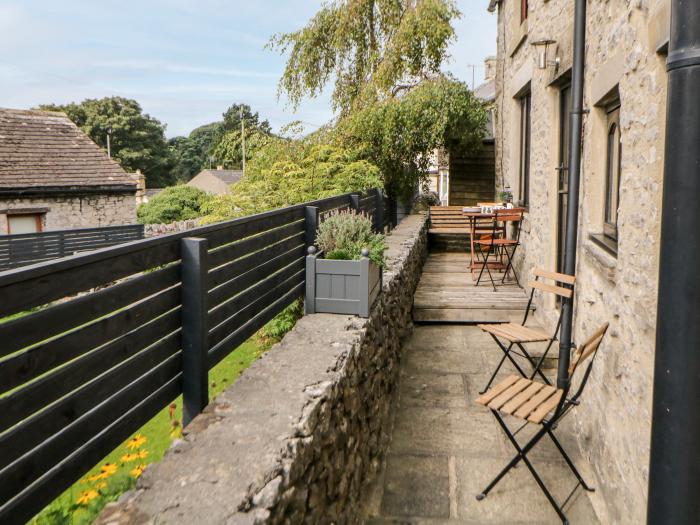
494,236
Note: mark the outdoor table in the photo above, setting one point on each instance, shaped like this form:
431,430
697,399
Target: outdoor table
473,219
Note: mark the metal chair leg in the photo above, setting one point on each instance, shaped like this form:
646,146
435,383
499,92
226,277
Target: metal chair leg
570,463
522,455
495,372
535,368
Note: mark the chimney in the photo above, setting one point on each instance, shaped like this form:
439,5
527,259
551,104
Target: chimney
490,68
219,168
140,187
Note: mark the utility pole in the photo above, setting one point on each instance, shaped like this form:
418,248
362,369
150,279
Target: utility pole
674,471
240,112
109,140
473,66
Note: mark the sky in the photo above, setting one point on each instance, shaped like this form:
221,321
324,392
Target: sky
184,61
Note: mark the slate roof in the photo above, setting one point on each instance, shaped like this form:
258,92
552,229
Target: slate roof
43,151
227,176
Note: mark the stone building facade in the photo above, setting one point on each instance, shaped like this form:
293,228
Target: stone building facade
53,177
620,201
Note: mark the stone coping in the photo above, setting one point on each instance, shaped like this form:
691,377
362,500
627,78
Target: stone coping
301,434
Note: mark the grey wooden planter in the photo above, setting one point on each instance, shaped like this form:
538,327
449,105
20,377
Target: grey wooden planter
341,287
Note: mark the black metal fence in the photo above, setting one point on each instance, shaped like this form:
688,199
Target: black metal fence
79,376
28,248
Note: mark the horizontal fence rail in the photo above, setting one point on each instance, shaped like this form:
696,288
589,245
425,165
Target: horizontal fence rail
93,346
29,248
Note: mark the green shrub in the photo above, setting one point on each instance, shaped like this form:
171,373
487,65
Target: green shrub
282,322
344,234
176,203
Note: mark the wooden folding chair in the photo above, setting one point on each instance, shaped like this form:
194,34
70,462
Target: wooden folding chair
531,402
513,334
501,246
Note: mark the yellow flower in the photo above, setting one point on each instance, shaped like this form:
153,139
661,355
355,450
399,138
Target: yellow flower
142,454
137,471
86,496
100,485
136,442
108,469
127,458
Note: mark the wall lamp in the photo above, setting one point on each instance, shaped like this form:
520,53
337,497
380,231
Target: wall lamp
542,48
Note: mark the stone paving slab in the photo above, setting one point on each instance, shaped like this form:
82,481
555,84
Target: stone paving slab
445,448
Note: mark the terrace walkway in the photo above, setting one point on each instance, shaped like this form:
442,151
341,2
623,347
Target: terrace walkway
444,448
446,293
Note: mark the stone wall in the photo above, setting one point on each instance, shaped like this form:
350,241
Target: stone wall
625,46
301,434
68,213
155,230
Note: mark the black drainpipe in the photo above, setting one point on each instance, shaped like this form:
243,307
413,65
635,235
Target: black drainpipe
674,472
577,74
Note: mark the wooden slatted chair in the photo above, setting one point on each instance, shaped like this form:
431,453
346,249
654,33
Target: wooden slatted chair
499,244
532,402
508,335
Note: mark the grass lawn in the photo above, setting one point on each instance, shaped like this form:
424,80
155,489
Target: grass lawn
118,471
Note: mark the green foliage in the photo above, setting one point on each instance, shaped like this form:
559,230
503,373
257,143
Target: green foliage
216,143
283,322
137,139
343,235
191,154
398,135
370,48
232,119
284,171
177,203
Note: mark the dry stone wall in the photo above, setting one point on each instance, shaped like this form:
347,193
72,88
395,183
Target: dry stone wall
155,230
302,433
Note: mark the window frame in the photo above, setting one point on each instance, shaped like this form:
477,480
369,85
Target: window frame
613,170
525,130
523,10
38,218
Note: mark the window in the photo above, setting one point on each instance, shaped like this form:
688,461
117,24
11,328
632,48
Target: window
24,223
612,170
523,10
524,191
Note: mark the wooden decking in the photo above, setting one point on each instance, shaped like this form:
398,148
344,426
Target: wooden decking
446,293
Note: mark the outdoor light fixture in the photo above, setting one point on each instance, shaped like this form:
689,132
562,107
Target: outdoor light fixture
542,46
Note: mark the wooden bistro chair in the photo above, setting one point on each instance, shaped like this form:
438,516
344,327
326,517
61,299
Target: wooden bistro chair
508,335
498,244
532,402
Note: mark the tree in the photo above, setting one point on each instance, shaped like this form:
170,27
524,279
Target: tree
398,135
286,171
193,153
232,119
176,203
371,49
137,140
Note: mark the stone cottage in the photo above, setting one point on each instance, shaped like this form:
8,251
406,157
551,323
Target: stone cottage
619,218
53,177
216,181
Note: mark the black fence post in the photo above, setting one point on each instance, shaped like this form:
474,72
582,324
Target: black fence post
379,212
195,362
355,202
393,212
310,224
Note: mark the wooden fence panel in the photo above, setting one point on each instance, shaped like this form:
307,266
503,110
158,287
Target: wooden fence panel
97,347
